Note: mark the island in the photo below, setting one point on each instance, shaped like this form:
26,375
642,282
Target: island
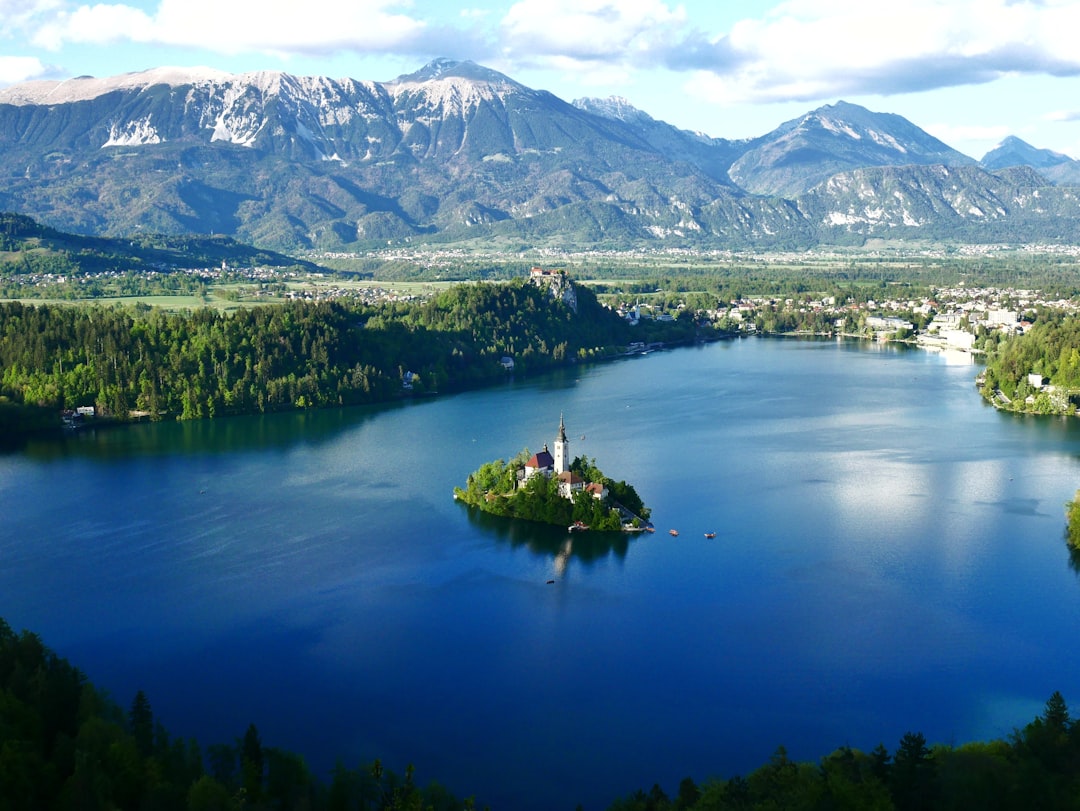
549,488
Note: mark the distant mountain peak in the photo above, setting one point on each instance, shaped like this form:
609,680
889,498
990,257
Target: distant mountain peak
1014,151
838,137
617,107
447,69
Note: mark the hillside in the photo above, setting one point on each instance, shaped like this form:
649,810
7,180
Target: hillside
203,363
27,247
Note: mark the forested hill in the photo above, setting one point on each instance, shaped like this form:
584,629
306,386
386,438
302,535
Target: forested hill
1050,349
27,246
297,355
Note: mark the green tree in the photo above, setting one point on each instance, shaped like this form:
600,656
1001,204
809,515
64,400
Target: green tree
141,722
252,764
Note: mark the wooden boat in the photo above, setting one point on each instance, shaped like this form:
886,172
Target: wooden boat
673,532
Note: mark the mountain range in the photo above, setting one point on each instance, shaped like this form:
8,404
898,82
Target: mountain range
457,152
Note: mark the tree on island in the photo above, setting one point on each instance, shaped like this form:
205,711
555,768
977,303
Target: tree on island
497,488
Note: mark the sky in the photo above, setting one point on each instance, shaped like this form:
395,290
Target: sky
970,72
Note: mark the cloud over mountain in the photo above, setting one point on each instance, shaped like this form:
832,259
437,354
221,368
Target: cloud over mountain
803,50
797,50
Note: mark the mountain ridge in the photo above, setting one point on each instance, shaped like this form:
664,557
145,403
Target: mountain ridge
452,152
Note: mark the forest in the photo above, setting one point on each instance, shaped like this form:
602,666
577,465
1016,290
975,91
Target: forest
1050,349
64,744
131,362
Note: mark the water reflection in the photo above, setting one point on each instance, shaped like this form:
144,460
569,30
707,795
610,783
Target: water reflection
1074,553
545,540
222,436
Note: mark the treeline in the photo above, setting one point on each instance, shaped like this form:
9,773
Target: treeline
204,363
65,745
1049,349
1036,767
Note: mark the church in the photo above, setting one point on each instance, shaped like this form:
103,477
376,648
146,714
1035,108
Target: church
543,463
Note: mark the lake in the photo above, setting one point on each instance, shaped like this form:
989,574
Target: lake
889,557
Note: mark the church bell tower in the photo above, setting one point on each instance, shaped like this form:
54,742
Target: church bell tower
562,450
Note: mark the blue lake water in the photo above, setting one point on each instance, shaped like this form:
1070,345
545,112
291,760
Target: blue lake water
889,556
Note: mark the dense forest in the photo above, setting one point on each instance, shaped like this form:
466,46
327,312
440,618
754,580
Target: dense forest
494,489
198,364
65,745
1050,350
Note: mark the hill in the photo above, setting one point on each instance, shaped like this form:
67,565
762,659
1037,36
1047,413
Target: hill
28,247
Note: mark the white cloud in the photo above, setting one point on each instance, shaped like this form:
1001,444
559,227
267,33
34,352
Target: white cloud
18,16
20,68
239,26
813,49
590,30
797,50
1063,116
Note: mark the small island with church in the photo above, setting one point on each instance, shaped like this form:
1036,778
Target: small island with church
551,489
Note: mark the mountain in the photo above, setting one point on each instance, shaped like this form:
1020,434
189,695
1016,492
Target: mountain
456,152
713,156
801,153
1015,152
963,203
1054,166
294,162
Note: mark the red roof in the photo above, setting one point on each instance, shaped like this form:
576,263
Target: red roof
541,460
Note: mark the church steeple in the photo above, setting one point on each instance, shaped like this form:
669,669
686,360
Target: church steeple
562,449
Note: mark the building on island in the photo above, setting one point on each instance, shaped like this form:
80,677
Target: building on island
542,462
545,463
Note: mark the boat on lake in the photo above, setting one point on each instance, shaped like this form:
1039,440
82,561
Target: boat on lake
710,534
577,526
673,532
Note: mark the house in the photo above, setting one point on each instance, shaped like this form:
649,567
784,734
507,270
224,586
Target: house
1036,381
890,323
596,490
570,483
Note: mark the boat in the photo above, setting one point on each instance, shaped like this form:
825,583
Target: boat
577,526
673,532
710,534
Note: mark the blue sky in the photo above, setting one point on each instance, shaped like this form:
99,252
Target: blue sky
968,71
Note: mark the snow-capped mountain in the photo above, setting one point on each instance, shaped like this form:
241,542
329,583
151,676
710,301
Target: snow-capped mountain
456,151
